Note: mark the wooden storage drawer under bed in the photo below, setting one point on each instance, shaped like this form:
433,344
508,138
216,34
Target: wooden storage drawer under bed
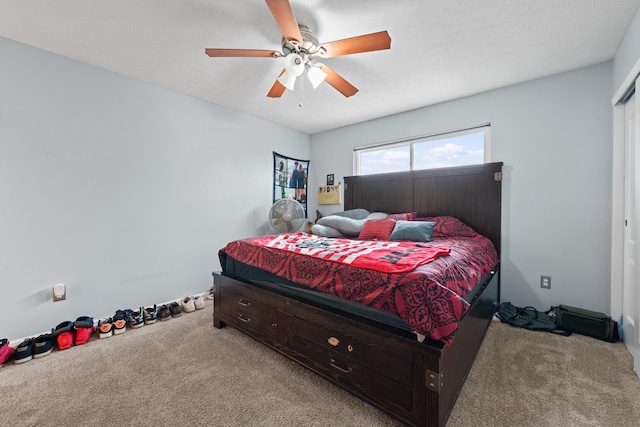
354,362
379,368
244,310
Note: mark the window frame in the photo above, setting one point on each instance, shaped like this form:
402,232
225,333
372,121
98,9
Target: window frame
412,141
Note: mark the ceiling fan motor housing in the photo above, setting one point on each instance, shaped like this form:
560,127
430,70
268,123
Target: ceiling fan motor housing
310,44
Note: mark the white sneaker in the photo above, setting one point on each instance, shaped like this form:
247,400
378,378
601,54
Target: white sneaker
199,302
187,304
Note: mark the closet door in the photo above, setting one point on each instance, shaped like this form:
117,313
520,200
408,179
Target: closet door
631,279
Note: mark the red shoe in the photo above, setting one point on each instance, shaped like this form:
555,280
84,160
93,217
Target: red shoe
64,334
84,328
6,351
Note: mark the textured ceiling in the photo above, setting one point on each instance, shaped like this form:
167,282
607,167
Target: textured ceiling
440,50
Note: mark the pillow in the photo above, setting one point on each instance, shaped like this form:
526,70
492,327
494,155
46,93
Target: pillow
449,226
416,231
377,229
410,216
346,226
325,231
353,213
377,215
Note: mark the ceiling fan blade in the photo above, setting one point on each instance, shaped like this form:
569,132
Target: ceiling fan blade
283,14
359,44
234,53
277,89
338,82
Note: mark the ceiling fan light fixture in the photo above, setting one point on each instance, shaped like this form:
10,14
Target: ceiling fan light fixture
316,76
287,80
294,64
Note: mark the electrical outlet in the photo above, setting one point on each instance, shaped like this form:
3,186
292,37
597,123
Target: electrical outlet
59,292
545,282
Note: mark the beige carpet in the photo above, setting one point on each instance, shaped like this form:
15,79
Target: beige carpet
185,372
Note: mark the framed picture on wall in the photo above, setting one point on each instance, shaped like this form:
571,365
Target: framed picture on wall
330,179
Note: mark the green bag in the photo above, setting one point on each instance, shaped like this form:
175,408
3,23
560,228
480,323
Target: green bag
585,322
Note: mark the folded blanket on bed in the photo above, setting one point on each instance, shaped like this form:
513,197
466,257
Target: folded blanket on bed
384,256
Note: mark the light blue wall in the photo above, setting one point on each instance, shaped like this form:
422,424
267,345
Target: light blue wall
121,190
554,137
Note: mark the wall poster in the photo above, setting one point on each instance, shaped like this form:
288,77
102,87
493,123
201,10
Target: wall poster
330,195
290,179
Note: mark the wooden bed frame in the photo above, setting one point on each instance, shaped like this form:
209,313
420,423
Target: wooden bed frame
417,383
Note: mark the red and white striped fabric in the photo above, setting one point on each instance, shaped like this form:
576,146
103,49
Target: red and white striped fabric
379,255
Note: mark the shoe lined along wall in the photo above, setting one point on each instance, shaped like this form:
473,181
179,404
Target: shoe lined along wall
71,333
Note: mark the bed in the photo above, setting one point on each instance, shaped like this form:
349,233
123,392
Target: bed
373,352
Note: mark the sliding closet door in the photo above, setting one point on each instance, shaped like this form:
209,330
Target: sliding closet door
631,270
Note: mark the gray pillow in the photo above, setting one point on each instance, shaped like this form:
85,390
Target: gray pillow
416,231
353,213
325,231
346,226
377,215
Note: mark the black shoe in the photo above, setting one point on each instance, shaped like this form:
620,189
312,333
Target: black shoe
24,351
42,345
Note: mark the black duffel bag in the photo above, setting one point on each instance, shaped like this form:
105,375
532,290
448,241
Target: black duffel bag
528,318
585,322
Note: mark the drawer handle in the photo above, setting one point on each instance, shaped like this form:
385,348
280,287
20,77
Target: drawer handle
340,368
243,318
244,303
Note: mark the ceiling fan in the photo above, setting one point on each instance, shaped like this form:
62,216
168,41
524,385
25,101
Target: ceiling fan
301,49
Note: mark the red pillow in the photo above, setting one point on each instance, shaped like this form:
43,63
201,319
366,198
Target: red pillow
377,229
409,216
449,226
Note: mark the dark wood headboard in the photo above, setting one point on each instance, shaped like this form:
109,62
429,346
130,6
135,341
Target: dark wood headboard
472,194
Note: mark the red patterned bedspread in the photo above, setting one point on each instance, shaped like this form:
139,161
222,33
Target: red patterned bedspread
429,298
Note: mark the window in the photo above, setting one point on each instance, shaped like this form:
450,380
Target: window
465,147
